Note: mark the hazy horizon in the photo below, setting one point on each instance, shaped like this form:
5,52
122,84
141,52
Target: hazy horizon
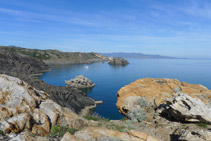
176,28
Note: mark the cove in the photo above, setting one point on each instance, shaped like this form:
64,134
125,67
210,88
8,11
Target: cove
109,79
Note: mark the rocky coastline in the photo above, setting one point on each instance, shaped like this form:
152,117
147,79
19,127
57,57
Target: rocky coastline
154,109
26,67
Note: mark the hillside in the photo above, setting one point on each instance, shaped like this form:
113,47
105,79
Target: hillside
52,57
137,55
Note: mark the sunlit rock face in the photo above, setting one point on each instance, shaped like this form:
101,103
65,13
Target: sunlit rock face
24,107
156,90
182,107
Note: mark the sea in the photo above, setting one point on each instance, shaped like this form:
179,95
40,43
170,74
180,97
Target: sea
109,79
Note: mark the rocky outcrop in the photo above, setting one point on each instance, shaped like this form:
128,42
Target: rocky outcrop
80,82
154,91
118,61
24,107
167,107
14,62
74,99
182,107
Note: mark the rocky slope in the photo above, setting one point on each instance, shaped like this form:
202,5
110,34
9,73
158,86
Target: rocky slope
14,62
28,114
170,109
55,57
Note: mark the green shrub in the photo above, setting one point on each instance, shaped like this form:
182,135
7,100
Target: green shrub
116,127
99,124
59,131
202,125
72,130
33,135
137,115
96,117
1,132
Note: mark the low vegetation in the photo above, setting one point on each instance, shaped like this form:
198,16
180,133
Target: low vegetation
139,113
116,127
1,132
59,131
202,125
95,117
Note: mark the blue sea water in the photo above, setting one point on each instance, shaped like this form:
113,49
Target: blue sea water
110,79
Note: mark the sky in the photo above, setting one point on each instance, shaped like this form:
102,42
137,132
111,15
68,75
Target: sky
179,28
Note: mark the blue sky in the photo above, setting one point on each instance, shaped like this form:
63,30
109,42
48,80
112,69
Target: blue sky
180,28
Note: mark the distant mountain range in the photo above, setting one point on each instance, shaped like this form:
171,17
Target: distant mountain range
137,55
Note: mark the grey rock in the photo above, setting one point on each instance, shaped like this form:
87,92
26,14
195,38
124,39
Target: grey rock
182,107
198,135
80,82
118,61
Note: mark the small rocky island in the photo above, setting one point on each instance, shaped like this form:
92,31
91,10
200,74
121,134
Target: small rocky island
118,61
80,82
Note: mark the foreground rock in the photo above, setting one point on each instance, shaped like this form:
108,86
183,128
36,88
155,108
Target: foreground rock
24,107
80,82
103,134
182,107
118,61
168,108
71,98
154,91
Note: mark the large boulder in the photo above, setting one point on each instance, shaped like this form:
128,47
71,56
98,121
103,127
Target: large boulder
154,91
118,61
80,82
182,107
